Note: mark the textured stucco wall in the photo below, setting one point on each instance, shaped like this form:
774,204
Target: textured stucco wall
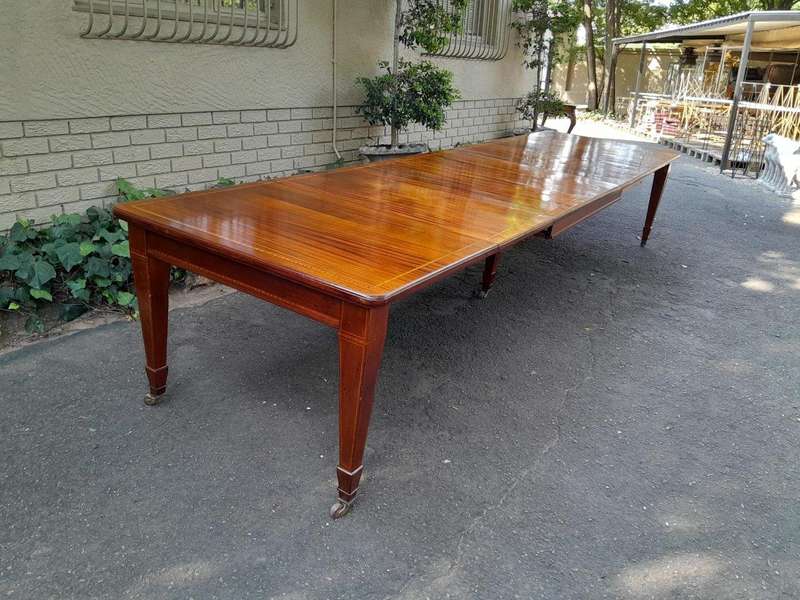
47,71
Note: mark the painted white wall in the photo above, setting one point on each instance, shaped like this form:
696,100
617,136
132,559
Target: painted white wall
47,71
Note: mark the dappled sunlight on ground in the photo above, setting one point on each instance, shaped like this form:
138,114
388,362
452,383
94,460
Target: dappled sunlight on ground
792,216
780,274
667,575
758,285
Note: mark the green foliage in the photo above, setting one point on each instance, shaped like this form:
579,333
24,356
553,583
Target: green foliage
225,182
641,16
129,192
536,17
79,261
429,24
417,92
691,11
533,104
420,92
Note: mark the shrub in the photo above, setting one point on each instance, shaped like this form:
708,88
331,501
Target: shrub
417,92
534,104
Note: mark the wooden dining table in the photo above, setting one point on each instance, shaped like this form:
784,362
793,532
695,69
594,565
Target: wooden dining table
341,246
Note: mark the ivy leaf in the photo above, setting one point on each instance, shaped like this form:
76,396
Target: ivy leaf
25,266
96,267
13,306
70,255
125,298
128,191
42,272
102,282
76,284
82,295
123,225
41,294
122,249
22,231
9,262
86,248
111,236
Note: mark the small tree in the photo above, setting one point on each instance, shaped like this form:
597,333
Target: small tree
541,26
414,92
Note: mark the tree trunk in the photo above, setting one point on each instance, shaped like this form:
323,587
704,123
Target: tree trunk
538,86
609,102
398,21
591,60
548,77
609,50
570,63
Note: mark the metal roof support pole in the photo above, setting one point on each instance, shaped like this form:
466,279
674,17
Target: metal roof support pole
737,95
639,74
718,86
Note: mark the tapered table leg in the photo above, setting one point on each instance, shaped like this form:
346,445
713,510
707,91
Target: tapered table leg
361,337
659,179
489,274
151,279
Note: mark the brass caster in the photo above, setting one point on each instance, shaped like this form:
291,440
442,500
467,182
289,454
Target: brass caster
340,509
151,400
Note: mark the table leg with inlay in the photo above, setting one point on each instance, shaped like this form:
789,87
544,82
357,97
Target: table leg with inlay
489,274
659,179
151,278
362,334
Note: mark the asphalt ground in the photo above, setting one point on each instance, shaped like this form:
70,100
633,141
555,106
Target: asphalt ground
610,422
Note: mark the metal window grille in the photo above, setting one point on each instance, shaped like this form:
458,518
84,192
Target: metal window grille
485,31
257,23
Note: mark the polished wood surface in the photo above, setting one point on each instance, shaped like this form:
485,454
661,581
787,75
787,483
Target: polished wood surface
337,247
369,233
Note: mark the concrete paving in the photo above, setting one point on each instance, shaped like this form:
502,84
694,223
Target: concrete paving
611,422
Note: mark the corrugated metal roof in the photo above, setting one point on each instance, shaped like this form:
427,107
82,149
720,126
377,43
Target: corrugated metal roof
763,20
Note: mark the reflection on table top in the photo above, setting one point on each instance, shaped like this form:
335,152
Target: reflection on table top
373,231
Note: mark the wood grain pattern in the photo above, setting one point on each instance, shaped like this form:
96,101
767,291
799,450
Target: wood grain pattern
370,233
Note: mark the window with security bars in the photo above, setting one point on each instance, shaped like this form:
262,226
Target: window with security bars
485,30
259,23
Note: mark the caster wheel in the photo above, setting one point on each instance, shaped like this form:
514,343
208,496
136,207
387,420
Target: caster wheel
482,294
340,509
151,400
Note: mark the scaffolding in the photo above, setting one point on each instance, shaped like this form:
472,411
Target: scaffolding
716,102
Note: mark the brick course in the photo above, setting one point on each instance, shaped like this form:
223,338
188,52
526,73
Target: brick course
66,165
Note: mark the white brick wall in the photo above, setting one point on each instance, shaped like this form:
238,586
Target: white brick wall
51,167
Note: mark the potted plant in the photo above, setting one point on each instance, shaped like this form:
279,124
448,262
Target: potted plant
412,92
535,104
540,25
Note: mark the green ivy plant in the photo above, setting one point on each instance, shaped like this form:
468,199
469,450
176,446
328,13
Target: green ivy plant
78,262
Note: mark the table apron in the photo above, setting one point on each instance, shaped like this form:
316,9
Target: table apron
298,298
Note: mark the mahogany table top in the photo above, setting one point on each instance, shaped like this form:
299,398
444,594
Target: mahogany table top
371,232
